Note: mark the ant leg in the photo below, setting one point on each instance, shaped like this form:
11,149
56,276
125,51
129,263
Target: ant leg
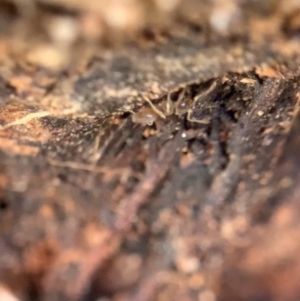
181,96
190,119
197,98
155,109
169,106
183,104
204,93
130,111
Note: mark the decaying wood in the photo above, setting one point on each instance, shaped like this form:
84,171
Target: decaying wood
96,207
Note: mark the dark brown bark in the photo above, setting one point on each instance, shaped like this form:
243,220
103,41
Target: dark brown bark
96,207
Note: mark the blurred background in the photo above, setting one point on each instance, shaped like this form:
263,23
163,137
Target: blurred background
51,32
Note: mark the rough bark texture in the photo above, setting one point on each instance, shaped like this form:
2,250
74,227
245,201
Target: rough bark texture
96,207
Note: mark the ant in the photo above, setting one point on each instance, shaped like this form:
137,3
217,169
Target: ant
183,105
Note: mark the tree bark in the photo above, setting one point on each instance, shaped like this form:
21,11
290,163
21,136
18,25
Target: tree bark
96,207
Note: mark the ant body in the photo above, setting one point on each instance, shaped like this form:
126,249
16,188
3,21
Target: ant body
183,105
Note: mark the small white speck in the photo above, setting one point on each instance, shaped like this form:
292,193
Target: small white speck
183,135
260,113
